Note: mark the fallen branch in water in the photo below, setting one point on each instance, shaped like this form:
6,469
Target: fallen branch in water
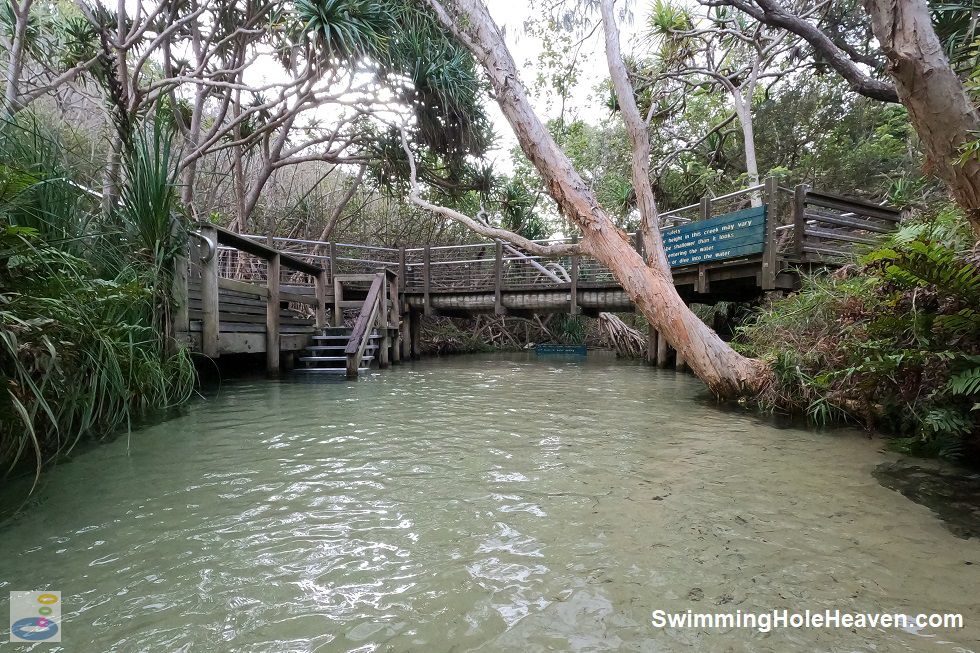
627,341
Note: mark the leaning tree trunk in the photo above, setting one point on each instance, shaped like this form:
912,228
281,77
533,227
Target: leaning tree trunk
938,104
651,288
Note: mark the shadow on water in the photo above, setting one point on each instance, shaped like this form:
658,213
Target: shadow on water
952,494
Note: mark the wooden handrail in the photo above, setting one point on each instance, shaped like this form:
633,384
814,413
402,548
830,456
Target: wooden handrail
361,334
264,252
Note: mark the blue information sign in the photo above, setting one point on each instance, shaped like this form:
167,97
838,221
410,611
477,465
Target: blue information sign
726,236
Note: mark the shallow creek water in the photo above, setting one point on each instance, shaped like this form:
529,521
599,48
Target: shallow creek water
491,503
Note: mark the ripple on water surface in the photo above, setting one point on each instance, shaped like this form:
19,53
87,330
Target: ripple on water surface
480,503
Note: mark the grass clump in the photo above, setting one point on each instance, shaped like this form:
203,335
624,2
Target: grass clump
84,298
891,342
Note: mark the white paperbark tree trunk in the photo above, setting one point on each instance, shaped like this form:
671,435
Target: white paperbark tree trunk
726,373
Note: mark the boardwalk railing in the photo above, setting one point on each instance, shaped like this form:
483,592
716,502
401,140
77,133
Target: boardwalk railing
759,232
220,303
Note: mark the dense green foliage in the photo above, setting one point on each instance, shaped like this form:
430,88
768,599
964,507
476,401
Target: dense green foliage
892,342
83,298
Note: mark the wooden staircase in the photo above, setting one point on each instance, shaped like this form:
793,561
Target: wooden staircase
374,337
327,354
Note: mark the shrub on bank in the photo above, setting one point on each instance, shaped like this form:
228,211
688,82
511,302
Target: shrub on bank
891,342
84,298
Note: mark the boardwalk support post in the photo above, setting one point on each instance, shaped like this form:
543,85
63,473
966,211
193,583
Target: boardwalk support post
767,279
574,286
384,347
209,295
799,217
272,316
401,270
406,337
426,279
321,300
651,345
395,320
337,319
663,350
498,277
182,322
414,319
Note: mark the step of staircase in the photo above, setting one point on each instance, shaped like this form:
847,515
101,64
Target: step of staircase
328,370
326,354
324,359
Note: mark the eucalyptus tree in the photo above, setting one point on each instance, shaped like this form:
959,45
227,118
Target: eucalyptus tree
917,42
649,282
718,50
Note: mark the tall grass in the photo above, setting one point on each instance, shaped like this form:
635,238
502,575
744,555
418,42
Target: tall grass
83,349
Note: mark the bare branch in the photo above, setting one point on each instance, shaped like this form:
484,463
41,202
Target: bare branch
474,225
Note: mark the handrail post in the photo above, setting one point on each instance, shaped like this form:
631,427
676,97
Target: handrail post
574,285
426,281
401,269
272,316
498,278
383,318
209,296
321,300
395,321
333,260
182,316
768,280
799,217
705,208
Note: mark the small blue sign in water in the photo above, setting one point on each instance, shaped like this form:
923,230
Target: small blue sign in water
577,350
726,236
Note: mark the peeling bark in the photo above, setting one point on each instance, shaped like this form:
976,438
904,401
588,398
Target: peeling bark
726,373
938,104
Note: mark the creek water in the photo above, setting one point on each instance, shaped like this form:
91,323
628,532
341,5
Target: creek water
491,503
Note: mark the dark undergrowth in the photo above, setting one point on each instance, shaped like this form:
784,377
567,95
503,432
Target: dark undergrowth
891,342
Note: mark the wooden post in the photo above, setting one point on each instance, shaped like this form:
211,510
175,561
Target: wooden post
338,296
705,207
396,321
663,350
182,322
680,365
768,280
401,270
384,347
406,337
209,295
272,317
414,318
337,319
651,345
701,285
321,300
574,285
498,279
799,220
426,276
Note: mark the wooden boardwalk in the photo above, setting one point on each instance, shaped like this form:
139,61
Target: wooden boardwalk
247,295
